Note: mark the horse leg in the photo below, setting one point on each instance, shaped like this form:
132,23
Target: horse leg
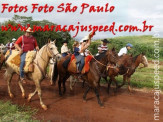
51,76
9,77
98,97
59,86
72,82
124,81
115,84
64,87
129,88
21,87
85,94
38,87
31,95
110,81
83,83
64,81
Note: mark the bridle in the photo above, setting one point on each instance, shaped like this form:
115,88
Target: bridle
49,51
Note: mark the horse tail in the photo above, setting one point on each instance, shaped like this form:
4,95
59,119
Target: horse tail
55,73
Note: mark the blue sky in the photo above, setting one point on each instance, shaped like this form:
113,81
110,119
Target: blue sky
126,12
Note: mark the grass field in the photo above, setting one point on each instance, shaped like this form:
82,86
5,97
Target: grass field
14,113
143,78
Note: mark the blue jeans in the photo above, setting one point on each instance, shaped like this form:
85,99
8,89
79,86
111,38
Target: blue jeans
22,63
64,54
82,62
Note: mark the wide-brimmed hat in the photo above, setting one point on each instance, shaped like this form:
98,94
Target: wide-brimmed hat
29,30
105,41
85,38
13,39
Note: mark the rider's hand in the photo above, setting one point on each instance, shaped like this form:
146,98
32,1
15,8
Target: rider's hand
37,48
20,51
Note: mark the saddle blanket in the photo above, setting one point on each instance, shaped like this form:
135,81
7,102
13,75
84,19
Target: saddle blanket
14,60
72,67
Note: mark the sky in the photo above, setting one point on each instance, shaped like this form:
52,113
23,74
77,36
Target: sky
126,12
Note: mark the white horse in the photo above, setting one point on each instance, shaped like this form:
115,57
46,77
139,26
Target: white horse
40,64
51,70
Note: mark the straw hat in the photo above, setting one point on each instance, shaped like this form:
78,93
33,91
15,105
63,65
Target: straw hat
13,39
29,30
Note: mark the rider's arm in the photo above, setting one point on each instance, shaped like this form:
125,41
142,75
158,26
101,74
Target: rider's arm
17,43
36,45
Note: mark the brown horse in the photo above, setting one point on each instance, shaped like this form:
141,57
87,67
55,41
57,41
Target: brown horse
2,60
92,77
127,66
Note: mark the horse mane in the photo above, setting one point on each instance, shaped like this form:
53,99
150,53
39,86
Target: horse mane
134,58
100,56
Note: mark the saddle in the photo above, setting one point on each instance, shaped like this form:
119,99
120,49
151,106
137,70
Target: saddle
72,66
14,61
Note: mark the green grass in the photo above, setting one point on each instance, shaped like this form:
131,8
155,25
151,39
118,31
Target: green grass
14,113
141,44
143,78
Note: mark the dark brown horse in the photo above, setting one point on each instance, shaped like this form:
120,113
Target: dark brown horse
92,77
2,60
127,66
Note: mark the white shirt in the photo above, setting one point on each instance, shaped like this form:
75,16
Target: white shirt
80,49
122,51
64,49
86,52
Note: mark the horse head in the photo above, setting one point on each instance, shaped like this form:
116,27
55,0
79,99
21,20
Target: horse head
112,56
52,50
144,60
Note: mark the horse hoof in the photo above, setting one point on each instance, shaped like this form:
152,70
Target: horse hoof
102,106
51,83
23,96
11,95
60,94
84,101
44,107
29,99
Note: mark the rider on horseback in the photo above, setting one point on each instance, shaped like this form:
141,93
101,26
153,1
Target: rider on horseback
28,43
79,51
103,47
124,50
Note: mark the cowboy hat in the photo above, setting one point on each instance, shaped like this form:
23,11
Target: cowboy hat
13,39
105,41
29,30
85,38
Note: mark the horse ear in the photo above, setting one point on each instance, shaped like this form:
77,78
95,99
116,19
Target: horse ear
49,40
113,49
55,40
143,53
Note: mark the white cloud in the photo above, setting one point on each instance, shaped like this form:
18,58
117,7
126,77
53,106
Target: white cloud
126,12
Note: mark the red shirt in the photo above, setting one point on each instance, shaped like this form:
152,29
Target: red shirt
27,43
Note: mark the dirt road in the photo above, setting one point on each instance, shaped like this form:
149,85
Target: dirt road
122,107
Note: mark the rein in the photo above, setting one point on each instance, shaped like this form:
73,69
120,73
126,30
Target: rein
107,66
